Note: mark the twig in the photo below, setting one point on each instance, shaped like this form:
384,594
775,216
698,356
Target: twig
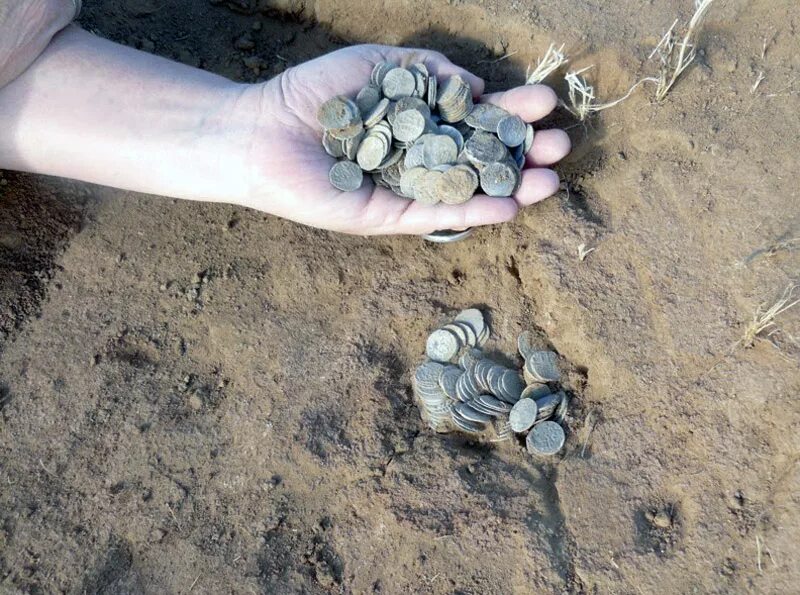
758,554
676,55
552,60
758,82
764,319
193,584
500,59
582,100
583,252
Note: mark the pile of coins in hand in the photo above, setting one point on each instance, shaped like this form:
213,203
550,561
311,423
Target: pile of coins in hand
424,140
459,388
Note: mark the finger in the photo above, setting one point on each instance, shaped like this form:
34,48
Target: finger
529,102
386,213
549,147
536,185
437,63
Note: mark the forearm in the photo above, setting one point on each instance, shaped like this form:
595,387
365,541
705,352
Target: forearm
96,111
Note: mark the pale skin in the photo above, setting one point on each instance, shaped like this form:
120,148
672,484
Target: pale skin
92,110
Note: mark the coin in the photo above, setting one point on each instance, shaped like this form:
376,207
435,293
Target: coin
498,179
458,185
425,188
398,83
377,113
471,414
486,116
454,134
467,425
414,155
409,178
563,406
371,153
379,72
442,345
333,146
348,131
368,98
511,386
448,381
474,318
546,438
543,366
493,403
547,405
522,415
525,343
428,373
483,148
511,131
338,112
459,332
346,176
535,391
439,149
433,90
526,146
408,125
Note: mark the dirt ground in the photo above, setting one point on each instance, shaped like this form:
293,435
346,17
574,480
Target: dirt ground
202,398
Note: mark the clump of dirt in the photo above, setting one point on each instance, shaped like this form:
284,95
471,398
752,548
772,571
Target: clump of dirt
202,398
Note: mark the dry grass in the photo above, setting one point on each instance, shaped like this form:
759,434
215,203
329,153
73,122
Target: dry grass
764,318
674,53
582,100
583,252
552,60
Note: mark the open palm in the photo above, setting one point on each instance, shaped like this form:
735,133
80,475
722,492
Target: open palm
293,167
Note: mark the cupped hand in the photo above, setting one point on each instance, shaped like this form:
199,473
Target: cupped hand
292,167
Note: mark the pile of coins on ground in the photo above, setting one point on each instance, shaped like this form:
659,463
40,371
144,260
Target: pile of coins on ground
424,140
459,388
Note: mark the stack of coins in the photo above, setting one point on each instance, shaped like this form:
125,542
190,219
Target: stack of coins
459,388
424,141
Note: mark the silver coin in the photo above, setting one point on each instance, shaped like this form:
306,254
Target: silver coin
409,178
408,125
498,179
535,391
368,98
486,116
474,318
483,148
493,403
377,113
548,405
526,146
469,358
333,146
512,387
398,83
468,412
414,155
448,381
525,344
471,338
371,153
467,425
433,90
543,366
459,332
546,438
478,406
448,236
458,185
439,149
453,133
563,407
428,373
511,131
523,415
442,345
379,72
338,112
346,176
425,188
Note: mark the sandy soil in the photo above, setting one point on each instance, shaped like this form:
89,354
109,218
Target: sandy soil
201,398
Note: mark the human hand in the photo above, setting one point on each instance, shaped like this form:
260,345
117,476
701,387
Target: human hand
292,167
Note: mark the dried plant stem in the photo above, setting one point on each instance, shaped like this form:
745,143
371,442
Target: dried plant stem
552,60
764,318
674,54
582,100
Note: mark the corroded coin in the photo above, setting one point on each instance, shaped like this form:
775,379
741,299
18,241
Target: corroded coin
548,405
454,134
511,131
346,176
543,365
377,113
522,415
428,373
486,116
473,317
546,438
398,83
457,185
439,149
470,413
442,345
371,152
408,125
409,178
333,146
498,179
414,155
528,139
379,72
535,391
448,381
425,187
466,425
348,131
368,98
433,90
338,112
483,148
